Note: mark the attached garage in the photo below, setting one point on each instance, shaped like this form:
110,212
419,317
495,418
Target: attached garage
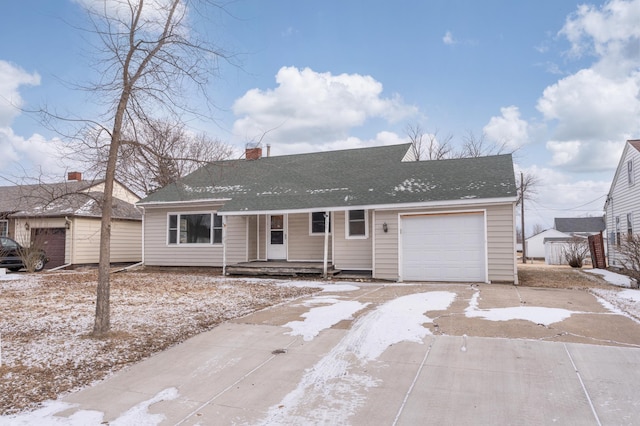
443,247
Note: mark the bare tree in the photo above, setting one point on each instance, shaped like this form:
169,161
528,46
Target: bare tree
537,228
478,146
149,60
159,153
426,146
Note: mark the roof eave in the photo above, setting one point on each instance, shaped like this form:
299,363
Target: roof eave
399,206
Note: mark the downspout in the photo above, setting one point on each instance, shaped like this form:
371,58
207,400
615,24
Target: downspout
143,217
326,244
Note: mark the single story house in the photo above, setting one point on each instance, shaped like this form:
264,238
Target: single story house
623,202
64,219
371,209
580,226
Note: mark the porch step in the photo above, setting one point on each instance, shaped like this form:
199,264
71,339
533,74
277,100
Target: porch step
286,269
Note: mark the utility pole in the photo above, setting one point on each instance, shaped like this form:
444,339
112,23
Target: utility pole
524,246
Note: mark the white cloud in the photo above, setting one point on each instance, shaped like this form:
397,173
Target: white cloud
586,156
448,38
611,33
508,129
559,194
593,111
11,78
588,105
311,107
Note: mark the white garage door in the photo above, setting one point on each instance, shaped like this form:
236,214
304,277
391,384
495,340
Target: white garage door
444,247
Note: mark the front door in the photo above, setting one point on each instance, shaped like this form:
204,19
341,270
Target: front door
276,238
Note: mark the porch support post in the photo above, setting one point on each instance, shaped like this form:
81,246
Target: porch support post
224,246
326,244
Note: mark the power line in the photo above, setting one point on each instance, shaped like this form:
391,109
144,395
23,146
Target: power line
570,208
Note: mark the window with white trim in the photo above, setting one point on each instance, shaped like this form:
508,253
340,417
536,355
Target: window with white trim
316,222
4,228
630,177
357,224
629,225
617,230
194,228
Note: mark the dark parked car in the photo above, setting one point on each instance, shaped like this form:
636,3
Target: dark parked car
15,257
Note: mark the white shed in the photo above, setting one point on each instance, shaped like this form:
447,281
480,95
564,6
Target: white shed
535,244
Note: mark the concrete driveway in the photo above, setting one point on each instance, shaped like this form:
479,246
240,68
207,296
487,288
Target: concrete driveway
399,354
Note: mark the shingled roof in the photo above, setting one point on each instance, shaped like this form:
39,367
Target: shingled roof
71,198
338,179
572,225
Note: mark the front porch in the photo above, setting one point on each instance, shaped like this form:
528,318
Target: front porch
280,268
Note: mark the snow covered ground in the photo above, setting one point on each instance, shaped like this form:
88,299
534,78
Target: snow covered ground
375,328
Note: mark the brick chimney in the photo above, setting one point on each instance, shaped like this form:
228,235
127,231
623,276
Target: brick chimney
253,152
74,176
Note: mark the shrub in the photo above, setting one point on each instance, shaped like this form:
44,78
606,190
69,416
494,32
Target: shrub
576,251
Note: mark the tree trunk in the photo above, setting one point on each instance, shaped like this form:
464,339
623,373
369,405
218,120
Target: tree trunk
102,323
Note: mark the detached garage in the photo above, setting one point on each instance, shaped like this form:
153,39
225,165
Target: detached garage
443,247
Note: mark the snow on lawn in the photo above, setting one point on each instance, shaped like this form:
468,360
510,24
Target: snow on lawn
46,320
535,314
611,277
625,302
330,392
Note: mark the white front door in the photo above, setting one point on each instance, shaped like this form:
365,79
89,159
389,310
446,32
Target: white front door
276,238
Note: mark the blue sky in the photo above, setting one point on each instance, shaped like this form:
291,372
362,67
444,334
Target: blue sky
558,80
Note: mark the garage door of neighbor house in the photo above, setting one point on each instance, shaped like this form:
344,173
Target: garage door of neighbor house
52,240
444,247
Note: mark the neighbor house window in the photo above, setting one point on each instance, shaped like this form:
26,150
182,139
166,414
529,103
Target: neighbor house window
629,225
357,223
630,172
317,222
4,228
195,228
617,230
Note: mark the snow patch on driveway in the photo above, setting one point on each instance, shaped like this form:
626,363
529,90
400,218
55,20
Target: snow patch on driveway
46,416
323,317
535,314
329,392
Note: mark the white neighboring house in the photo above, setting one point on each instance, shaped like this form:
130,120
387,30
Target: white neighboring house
535,244
623,201
551,243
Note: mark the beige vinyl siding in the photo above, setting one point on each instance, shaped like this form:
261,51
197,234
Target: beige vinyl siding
301,245
119,192
386,245
500,241
158,253
126,241
236,239
352,253
623,199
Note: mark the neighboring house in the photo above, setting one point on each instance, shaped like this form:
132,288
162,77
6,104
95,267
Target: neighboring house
64,219
622,206
371,209
580,226
535,244
551,243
